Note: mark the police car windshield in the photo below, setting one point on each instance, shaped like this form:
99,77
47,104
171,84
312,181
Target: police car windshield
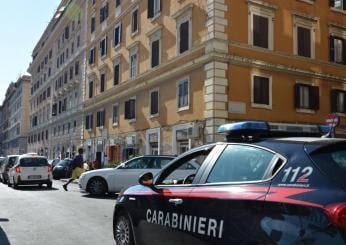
332,161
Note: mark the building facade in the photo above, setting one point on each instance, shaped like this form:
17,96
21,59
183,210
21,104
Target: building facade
163,75
57,89
15,117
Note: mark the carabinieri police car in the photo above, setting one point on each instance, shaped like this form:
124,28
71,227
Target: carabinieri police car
262,186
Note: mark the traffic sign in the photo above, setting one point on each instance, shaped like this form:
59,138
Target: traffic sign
333,120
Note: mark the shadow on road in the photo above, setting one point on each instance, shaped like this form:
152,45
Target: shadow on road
35,188
3,237
105,197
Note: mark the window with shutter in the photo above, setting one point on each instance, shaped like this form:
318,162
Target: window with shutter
116,78
117,35
154,103
260,31
184,37
115,114
155,53
261,90
92,24
102,82
307,97
183,94
117,3
91,89
150,9
304,41
134,21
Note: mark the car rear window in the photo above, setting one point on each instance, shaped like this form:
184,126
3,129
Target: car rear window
33,162
332,161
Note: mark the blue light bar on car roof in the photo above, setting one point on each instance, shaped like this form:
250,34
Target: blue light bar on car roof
255,129
243,126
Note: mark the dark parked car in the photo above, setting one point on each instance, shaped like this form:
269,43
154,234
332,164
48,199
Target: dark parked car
260,187
63,169
5,167
2,161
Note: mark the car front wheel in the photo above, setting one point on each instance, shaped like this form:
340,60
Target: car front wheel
97,186
122,230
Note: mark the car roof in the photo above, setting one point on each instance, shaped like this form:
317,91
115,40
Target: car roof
30,156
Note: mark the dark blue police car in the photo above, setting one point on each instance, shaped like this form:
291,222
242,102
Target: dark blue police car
262,186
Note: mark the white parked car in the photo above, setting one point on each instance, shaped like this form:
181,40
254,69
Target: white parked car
30,169
113,180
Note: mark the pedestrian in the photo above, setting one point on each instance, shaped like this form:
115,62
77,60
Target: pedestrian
78,168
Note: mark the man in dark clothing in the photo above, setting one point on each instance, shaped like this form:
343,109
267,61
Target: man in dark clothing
78,168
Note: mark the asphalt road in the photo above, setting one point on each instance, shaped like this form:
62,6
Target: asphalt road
36,215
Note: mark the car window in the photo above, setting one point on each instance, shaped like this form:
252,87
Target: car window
332,161
137,163
164,161
11,161
33,162
239,163
183,171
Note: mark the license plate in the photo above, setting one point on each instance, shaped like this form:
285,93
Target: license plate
34,177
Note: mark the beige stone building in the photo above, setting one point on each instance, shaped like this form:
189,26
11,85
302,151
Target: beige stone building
16,120
57,88
163,75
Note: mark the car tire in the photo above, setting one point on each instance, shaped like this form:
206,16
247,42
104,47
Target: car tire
15,186
8,183
122,230
97,187
50,185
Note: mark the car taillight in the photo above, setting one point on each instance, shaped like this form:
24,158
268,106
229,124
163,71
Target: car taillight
18,170
337,214
49,168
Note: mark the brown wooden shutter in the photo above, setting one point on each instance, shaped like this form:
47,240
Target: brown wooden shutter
297,95
150,9
315,97
331,49
333,100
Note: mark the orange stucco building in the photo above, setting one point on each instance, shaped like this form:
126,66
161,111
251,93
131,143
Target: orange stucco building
163,75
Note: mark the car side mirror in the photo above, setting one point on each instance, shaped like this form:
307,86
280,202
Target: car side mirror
147,179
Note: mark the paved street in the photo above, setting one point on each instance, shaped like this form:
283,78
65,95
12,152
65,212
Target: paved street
34,215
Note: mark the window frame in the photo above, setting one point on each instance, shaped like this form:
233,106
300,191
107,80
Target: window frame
187,16
132,119
312,108
158,102
307,24
265,12
156,36
184,107
134,32
115,123
133,73
103,49
118,25
270,96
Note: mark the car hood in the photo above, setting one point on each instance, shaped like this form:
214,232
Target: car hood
103,171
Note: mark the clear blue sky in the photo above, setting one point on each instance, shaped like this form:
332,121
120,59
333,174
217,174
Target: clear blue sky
22,23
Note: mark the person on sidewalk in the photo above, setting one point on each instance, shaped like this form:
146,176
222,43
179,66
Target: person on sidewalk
78,168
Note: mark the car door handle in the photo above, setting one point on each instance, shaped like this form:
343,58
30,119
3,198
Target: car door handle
176,201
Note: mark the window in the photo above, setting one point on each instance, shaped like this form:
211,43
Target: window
115,118
71,72
154,8
116,74
239,163
306,97
155,52
92,24
103,47
102,82
183,94
117,3
304,39
337,50
339,4
117,36
92,56
338,101
91,89
261,90
184,36
133,63
104,13
130,109
76,68
183,171
100,120
154,103
134,21
89,119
